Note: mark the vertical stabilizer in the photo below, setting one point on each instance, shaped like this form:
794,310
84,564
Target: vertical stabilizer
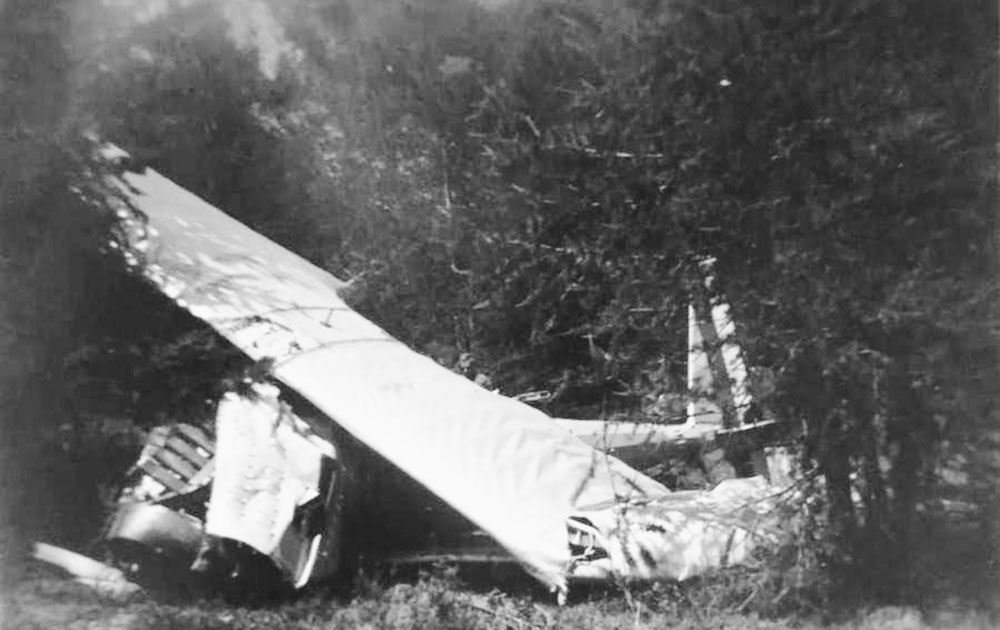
717,374
702,407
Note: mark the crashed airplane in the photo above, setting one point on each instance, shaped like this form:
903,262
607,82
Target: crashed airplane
551,493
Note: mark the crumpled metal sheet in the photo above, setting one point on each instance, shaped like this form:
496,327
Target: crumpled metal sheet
268,468
264,469
684,534
501,463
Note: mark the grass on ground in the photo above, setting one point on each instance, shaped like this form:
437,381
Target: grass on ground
434,601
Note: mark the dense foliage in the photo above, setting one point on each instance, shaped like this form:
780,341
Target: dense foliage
501,182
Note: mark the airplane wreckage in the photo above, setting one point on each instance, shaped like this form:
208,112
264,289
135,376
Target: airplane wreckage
279,474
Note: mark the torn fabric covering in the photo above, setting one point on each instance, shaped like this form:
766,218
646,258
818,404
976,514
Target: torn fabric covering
501,463
264,469
684,534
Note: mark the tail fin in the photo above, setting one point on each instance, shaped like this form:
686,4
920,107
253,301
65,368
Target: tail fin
717,374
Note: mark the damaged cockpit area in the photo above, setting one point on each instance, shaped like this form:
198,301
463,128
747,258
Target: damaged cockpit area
261,479
283,485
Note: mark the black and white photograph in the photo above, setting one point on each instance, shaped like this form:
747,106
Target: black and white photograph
499,314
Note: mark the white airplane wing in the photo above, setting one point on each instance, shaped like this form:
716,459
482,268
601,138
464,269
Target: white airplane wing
501,463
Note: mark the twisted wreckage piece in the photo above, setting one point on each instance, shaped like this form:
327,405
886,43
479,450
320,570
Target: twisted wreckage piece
560,507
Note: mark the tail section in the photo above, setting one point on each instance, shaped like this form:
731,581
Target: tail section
717,373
